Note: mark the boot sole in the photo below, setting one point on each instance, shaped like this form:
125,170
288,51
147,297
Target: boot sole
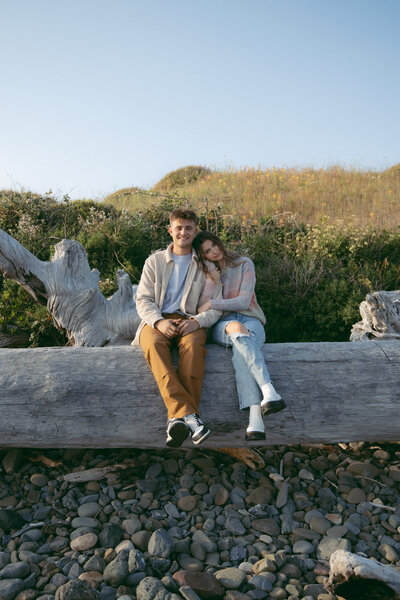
273,406
252,436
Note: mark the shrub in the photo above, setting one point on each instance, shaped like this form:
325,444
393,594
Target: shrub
180,177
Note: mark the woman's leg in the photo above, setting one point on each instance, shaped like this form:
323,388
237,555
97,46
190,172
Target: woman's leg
247,337
248,391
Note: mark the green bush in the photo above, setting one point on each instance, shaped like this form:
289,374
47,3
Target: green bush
310,279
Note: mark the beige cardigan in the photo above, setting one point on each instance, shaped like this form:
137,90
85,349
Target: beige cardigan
153,284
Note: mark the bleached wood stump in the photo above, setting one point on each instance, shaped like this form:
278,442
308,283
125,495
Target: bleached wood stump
71,291
380,317
357,578
107,397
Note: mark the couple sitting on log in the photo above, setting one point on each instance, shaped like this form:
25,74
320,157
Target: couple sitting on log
193,285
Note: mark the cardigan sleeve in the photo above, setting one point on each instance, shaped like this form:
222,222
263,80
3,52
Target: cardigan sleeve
208,292
146,306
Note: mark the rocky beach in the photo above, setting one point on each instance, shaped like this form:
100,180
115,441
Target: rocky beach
165,525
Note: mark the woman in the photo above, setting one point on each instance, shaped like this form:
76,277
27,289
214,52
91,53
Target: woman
241,326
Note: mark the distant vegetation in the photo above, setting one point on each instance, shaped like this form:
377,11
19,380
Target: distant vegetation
320,241
366,198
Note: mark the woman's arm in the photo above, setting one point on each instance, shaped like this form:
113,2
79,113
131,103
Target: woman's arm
243,289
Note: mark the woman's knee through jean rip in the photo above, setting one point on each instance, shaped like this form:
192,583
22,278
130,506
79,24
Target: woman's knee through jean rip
236,328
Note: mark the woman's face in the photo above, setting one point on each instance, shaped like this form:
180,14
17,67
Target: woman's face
212,251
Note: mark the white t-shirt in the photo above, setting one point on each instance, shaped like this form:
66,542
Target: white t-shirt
176,283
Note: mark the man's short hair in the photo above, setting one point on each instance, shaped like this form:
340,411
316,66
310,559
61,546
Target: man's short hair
183,213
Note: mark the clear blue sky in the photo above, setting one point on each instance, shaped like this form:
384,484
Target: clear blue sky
97,95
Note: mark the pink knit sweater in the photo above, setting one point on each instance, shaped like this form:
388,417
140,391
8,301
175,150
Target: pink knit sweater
238,285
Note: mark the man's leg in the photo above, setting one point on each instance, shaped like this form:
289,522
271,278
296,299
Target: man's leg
157,351
192,356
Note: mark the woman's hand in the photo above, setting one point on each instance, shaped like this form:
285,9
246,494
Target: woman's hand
204,307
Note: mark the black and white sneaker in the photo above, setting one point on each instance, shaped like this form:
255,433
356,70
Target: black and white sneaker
177,432
198,431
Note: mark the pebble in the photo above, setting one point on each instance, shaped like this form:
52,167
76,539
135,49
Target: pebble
232,532
230,578
38,479
89,509
187,503
206,585
388,552
303,547
84,542
355,496
282,496
160,544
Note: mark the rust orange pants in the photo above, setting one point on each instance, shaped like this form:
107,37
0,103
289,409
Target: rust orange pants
180,389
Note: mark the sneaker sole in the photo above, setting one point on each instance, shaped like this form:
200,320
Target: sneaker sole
202,438
177,435
271,408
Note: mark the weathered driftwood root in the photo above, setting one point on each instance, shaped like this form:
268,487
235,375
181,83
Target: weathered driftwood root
72,294
380,314
357,578
248,456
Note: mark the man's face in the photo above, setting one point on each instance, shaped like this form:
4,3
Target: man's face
182,232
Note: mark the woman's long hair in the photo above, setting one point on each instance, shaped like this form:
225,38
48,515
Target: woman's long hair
231,259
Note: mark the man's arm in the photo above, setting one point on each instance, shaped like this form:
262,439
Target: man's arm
146,306
207,318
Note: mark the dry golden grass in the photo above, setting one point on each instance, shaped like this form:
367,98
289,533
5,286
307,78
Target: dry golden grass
336,195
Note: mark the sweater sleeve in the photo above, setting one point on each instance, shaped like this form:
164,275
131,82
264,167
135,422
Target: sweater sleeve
246,291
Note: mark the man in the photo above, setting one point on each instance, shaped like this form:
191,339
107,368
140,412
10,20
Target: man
167,298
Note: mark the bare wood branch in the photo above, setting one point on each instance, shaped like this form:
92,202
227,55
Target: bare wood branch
353,577
95,474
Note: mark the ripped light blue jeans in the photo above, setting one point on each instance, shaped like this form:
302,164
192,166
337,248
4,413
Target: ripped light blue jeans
250,369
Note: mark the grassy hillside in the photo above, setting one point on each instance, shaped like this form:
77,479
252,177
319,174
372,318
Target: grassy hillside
335,195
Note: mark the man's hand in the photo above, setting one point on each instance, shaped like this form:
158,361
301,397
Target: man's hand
203,307
168,327
188,326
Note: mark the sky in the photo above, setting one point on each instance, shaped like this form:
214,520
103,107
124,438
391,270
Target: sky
99,95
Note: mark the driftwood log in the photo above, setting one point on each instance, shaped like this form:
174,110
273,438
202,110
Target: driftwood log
380,317
70,289
357,578
107,397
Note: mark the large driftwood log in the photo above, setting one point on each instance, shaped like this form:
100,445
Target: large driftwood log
71,292
357,578
107,397
380,317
